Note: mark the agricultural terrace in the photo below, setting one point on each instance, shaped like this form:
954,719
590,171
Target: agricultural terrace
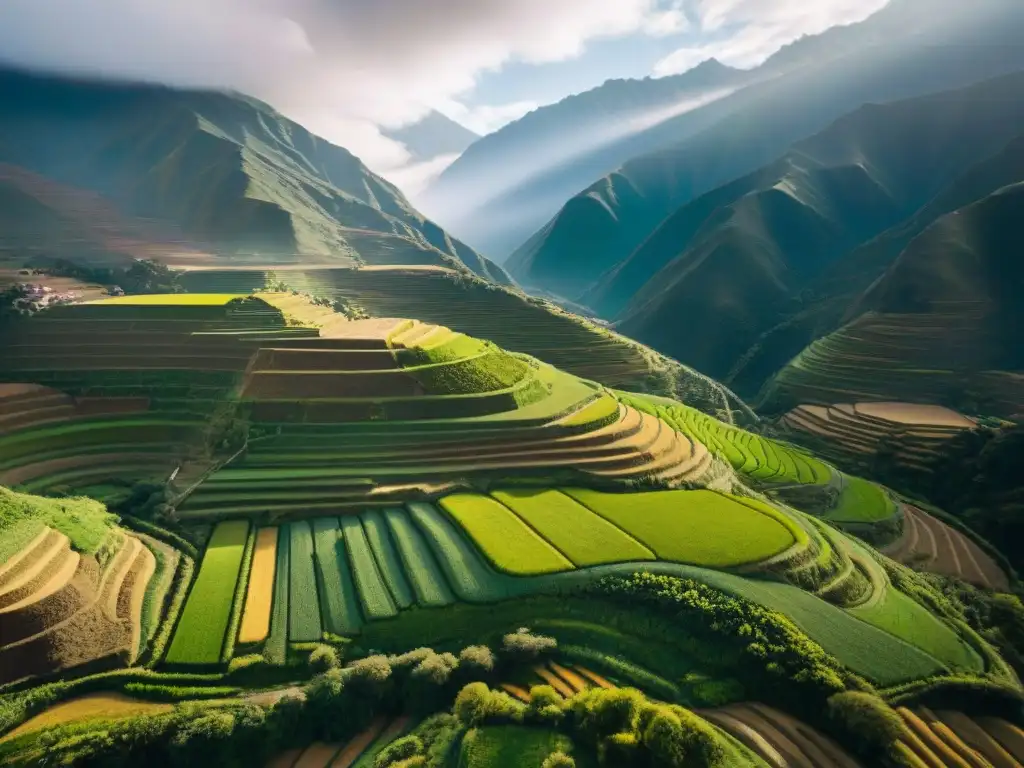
913,434
199,636
465,305
23,517
927,357
170,300
260,589
761,459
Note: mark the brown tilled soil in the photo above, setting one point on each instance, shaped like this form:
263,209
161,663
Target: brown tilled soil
32,471
55,608
92,632
133,592
913,413
35,570
351,751
1007,734
976,737
28,555
934,546
797,744
317,755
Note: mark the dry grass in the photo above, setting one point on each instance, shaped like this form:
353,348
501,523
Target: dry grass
94,706
259,597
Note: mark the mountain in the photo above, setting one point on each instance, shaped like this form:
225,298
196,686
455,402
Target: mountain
228,172
602,225
742,256
432,136
506,184
943,324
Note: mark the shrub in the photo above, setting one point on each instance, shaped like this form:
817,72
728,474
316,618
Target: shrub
370,677
597,712
867,719
677,737
522,645
477,658
472,704
558,760
403,749
323,658
546,706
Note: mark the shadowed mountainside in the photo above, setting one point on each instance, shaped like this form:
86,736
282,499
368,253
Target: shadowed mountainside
750,254
227,170
603,224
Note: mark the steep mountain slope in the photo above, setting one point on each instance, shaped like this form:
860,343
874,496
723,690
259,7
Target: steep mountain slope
742,254
226,169
432,136
942,51
508,183
942,325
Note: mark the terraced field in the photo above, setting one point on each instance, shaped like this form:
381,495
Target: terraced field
914,357
910,433
932,545
469,307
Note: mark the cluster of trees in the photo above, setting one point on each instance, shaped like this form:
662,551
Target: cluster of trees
143,276
338,703
778,662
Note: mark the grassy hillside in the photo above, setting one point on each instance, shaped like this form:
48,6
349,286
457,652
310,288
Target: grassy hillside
764,121
230,172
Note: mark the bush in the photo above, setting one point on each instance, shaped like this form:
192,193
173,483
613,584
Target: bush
546,706
477,704
558,760
323,658
676,737
867,719
477,659
403,749
522,645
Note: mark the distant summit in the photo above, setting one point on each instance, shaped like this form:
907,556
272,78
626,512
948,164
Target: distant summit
432,136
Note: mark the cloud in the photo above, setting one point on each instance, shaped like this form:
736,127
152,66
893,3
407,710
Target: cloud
340,66
743,33
485,119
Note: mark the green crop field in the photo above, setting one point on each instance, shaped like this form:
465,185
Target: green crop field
861,502
170,300
469,576
275,649
757,457
199,636
695,527
426,576
339,603
579,534
512,746
390,564
505,539
303,605
373,592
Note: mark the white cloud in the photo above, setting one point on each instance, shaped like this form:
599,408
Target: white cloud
341,66
486,119
746,32
413,179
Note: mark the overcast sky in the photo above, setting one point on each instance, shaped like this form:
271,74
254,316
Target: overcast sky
345,67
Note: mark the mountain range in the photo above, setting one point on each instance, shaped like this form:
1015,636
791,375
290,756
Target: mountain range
601,226
510,183
434,135
224,172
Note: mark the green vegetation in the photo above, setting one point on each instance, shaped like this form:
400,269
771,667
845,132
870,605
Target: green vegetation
505,539
511,746
199,637
756,457
275,649
339,603
862,502
170,300
374,595
583,537
303,605
696,527
22,516
386,556
420,565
